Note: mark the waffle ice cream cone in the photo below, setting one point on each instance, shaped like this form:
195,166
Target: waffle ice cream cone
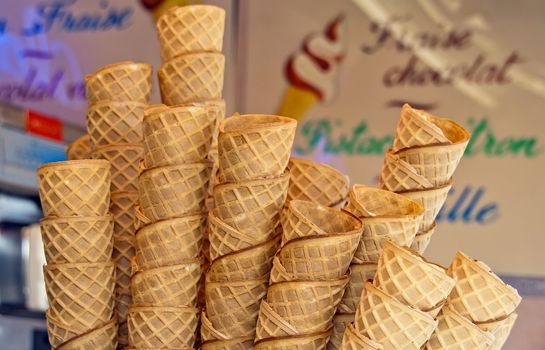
296,342
254,146
208,332
115,122
316,182
174,191
340,322
353,340
125,165
170,242
80,295
162,327
121,81
307,219
321,257
457,332
297,101
177,134
432,200
175,285
500,329
243,343
406,276
79,149
217,109
186,29
57,332
370,202
422,240
418,128
271,325
122,210
252,206
308,306
232,307
246,264
359,274
397,175
77,239
102,337
192,77
75,187
391,323
479,294
225,239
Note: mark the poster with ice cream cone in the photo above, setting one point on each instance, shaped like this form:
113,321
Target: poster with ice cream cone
344,70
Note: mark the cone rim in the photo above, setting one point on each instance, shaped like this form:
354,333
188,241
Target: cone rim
80,265
417,208
125,64
278,122
117,103
272,241
189,56
254,182
150,226
437,189
73,164
50,220
104,325
157,270
134,308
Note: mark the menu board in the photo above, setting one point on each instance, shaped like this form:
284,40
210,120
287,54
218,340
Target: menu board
345,68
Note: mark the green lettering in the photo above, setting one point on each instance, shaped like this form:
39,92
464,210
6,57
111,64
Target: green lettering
478,130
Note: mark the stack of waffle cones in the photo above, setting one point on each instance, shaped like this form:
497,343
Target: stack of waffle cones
117,95
308,278
191,42
318,183
244,226
78,243
481,309
397,309
426,152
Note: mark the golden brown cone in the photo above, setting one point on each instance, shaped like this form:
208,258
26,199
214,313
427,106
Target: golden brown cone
80,295
479,294
271,325
75,188
174,191
316,182
255,146
422,240
115,122
296,342
162,327
308,306
177,134
245,343
408,277
170,242
175,285
359,274
102,337
122,210
79,149
232,307
191,77
306,219
391,323
121,81
253,206
457,332
246,264
77,239
58,333
398,175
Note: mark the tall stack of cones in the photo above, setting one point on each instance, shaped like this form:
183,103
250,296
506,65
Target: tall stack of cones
481,309
317,183
193,68
426,152
244,226
117,94
398,309
386,216
308,277
77,235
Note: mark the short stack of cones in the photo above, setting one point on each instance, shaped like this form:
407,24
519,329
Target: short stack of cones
317,183
426,152
244,226
386,216
480,312
398,309
308,277
117,95
191,42
78,242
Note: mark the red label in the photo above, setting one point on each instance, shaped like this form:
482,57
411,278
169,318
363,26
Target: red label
39,124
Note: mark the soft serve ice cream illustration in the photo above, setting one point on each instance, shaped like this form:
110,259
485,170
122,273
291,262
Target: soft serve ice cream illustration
312,71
